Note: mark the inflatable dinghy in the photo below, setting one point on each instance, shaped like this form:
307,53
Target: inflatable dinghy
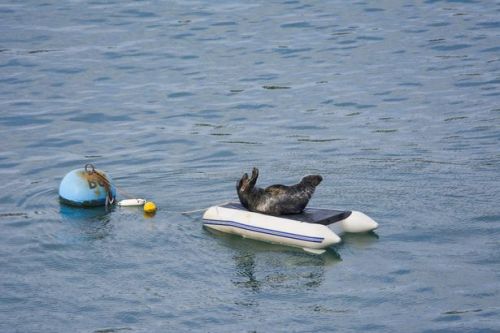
313,230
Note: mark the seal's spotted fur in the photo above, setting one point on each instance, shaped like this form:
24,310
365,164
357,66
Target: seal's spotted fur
276,199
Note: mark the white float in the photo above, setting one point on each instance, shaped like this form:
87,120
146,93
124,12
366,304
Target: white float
131,202
313,230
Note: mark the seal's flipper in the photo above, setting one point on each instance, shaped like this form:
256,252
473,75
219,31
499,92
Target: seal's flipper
255,175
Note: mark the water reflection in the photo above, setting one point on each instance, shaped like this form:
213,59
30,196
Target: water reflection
94,223
260,266
359,241
289,269
245,268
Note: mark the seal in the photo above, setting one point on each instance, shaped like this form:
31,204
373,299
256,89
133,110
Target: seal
276,199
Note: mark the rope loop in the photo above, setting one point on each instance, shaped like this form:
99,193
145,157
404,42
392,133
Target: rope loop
92,168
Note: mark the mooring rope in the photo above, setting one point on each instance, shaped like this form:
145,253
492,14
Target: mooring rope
91,170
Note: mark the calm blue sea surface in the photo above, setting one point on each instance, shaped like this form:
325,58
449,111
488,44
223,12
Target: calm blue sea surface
395,103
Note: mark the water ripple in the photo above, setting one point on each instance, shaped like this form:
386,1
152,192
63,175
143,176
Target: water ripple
394,103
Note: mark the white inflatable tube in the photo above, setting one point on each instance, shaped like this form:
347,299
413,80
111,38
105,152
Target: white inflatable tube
356,222
314,236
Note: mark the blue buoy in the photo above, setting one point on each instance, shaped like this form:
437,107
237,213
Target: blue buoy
87,187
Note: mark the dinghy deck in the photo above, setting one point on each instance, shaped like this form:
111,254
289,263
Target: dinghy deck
309,215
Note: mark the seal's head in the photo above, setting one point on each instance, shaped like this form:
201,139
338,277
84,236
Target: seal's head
243,184
312,180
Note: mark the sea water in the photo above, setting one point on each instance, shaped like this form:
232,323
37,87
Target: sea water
394,103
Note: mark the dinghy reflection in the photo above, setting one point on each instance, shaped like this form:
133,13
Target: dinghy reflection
260,266
358,240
